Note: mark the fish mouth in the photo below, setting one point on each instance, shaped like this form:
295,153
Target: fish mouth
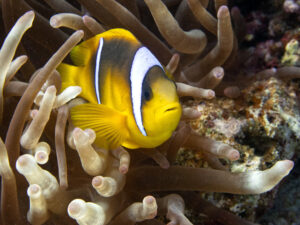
171,108
167,117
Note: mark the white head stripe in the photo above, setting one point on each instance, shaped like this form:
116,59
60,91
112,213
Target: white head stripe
142,62
96,80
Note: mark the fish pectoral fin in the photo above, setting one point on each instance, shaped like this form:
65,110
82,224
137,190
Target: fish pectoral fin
80,55
110,125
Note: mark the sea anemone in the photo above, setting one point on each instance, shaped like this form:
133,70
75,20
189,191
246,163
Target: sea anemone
83,183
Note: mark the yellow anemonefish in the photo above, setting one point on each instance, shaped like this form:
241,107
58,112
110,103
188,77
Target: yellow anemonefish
132,101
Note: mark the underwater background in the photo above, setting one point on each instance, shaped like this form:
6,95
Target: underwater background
254,109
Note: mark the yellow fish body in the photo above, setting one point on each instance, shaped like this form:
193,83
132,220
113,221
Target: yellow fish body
132,102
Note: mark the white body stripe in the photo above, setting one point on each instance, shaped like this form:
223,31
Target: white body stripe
98,58
143,61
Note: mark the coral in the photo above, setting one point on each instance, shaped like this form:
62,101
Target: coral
291,54
82,183
262,123
291,6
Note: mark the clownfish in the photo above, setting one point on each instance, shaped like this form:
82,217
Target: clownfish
132,100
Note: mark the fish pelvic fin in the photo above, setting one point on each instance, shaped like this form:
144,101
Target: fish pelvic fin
109,125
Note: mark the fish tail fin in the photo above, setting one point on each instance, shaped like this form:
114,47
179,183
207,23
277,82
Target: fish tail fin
69,75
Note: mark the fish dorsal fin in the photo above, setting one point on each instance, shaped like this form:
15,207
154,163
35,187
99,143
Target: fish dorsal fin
119,33
81,54
110,125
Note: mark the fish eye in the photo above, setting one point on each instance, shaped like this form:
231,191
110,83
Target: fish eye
147,94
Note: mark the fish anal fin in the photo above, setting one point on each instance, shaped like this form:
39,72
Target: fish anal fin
109,124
